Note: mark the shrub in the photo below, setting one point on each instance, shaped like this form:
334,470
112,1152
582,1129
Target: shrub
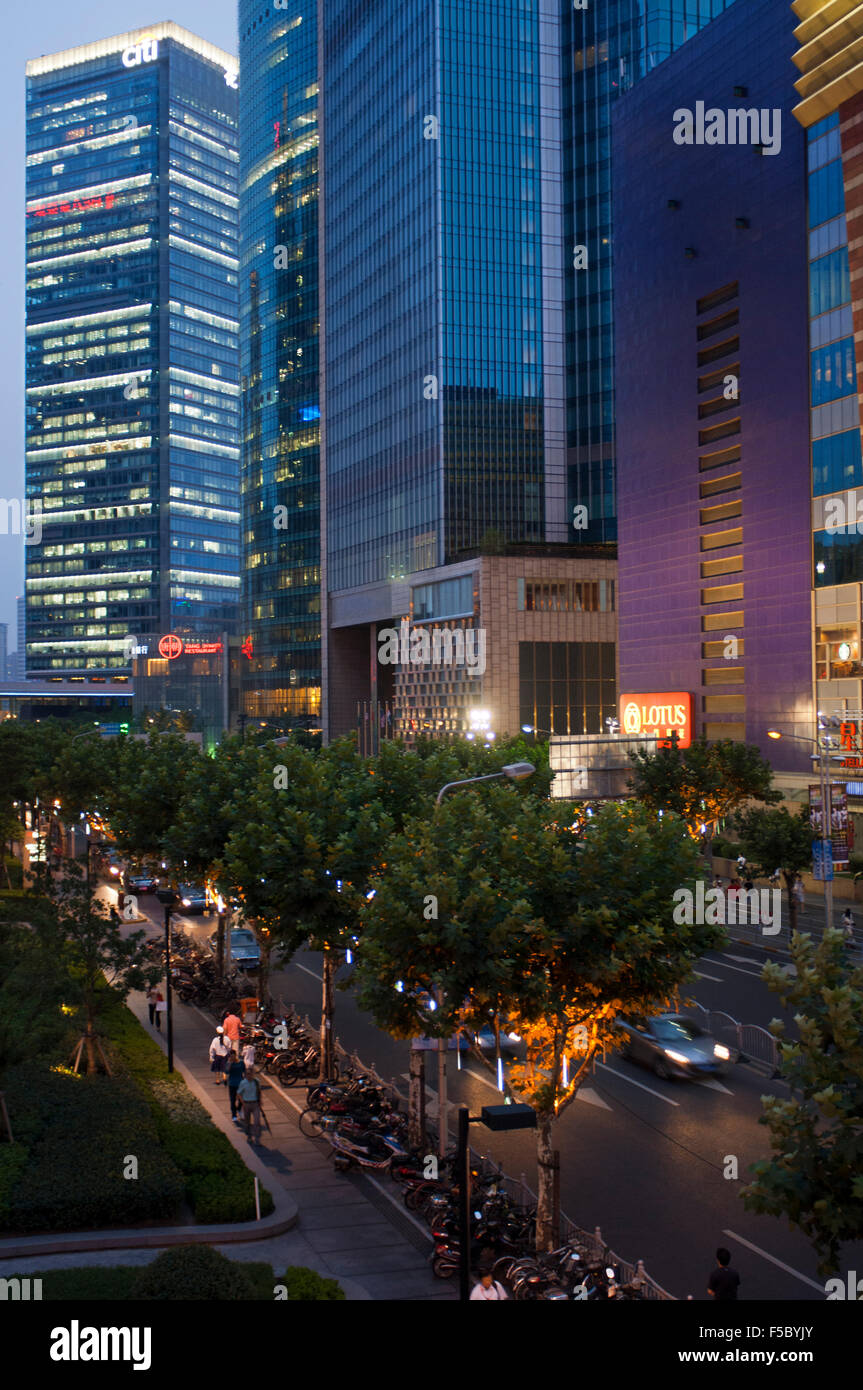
194,1272
13,1161
222,1197
197,1148
89,1283
74,1176
177,1102
307,1286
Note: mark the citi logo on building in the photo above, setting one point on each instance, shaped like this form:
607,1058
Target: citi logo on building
735,127
145,52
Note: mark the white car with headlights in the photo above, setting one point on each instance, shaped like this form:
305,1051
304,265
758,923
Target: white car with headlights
674,1045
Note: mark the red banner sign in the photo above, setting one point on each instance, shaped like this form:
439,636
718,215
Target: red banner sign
658,714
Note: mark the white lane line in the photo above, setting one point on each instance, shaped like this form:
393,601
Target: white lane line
716,978
721,963
587,1094
744,960
773,1260
713,1085
305,969
639,1084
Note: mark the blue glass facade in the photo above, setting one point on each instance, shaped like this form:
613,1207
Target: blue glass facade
279,356
609,47
132,375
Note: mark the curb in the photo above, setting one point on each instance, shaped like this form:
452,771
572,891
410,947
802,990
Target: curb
283,1218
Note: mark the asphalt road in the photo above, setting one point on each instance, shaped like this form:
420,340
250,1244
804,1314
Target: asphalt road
649,1161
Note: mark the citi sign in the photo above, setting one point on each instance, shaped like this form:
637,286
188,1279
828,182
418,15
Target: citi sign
145,52
658,714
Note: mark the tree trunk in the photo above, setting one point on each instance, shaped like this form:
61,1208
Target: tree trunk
545,1169
90,1050
326,1066
417,1100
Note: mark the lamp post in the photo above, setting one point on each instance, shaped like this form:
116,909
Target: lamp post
823,756
494,1117
515,772
167,897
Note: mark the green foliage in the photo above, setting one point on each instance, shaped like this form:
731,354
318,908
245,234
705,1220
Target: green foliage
776,839
814,1178
726,849
13,1160
74,1175
90,1283
702,783
33,987
194,1272
226,1196
307,1286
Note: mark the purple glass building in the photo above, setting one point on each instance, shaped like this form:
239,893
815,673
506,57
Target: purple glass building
711,320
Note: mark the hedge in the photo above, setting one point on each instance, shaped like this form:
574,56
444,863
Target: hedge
219,1186
307,1286
188,1272
194,1272
74,1178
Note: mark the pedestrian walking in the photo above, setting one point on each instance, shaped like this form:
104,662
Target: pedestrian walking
160,1007
799,891
232,1030
249,1054
113,916
488,1290
724,1281
236,1073
220,1050
249,1092
848,926
717,880
152,996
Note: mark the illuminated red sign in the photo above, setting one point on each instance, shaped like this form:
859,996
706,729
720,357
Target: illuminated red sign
106,200
170,646
246,648
202,648
658,714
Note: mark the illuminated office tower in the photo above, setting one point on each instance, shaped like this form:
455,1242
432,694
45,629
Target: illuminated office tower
132,427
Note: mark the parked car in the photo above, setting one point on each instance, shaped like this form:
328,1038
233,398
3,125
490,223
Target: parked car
243,950
193,899
674,1045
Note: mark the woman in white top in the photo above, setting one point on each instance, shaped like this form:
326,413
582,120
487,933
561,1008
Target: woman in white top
488,1290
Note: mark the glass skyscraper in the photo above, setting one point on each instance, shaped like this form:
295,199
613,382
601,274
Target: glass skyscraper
426,375
132,365
607,49
279,335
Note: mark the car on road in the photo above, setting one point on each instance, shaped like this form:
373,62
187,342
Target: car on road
140,881
244,949
674,1045
193,898
511,1044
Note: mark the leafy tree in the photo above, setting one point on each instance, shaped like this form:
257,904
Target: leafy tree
103,963
774,839
814,1178
144,797
302,853
702,783
561,928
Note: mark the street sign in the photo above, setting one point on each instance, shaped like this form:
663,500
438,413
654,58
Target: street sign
822,859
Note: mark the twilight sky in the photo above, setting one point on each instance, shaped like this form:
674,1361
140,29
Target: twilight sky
30,30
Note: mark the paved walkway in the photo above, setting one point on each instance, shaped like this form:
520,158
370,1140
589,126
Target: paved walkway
351,1227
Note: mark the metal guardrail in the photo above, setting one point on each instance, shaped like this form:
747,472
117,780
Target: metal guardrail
752,1043
516,1188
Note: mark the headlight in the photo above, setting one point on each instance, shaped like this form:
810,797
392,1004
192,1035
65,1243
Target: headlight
720,1051
187,902
677,1057
515,1037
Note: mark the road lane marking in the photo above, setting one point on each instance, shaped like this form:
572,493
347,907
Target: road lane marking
305,968
716,978
744,960
713,1085
773,1260
751,973
639,1084
586,1093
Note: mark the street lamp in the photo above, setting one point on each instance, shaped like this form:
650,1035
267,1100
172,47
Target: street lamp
167,897
494,1117
823,755
516,772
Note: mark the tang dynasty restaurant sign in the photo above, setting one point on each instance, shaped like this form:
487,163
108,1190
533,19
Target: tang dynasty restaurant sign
658,714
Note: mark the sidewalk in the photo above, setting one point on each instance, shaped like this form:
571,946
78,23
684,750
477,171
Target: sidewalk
350,1227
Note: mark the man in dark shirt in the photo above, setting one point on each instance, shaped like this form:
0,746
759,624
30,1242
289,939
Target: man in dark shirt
724,1281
